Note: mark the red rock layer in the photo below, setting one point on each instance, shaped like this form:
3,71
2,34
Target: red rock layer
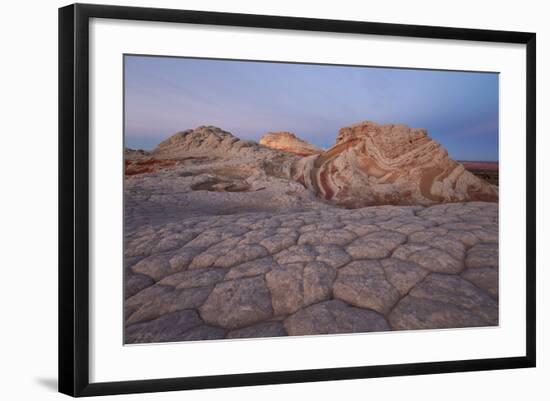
134,167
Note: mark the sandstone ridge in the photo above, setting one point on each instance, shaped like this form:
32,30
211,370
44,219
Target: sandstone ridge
289,142
370,164
206,140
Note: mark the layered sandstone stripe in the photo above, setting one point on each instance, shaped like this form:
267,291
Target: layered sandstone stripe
373,164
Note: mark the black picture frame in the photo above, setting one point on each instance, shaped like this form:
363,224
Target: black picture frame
74,198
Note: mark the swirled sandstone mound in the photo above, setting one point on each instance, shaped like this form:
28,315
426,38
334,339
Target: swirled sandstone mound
373,164
288,142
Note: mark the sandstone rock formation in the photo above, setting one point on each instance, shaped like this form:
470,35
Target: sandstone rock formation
223,159
370,164
208,171
205,141
373,164
288,142
304,272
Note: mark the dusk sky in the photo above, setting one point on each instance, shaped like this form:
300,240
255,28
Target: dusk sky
164,95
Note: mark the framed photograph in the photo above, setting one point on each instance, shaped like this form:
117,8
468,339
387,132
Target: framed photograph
251,199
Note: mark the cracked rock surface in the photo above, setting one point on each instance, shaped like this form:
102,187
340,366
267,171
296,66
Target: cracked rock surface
292,271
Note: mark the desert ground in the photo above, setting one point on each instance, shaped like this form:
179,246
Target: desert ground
227,238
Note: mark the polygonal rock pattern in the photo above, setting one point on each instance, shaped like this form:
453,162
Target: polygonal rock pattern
253,268
271,273
485,278
171,301
241,254
433,259
294,286
403,275
135,283
154,267
376,245
169,327
238,303
482,255
444,301
332,255
296,254
334,317
363,284
279,242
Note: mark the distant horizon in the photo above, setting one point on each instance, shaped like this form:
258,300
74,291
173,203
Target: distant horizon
166,95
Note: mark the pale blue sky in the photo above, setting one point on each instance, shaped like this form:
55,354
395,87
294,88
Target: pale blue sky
164,95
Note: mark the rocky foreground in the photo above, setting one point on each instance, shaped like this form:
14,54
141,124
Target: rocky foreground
222,242
314,272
